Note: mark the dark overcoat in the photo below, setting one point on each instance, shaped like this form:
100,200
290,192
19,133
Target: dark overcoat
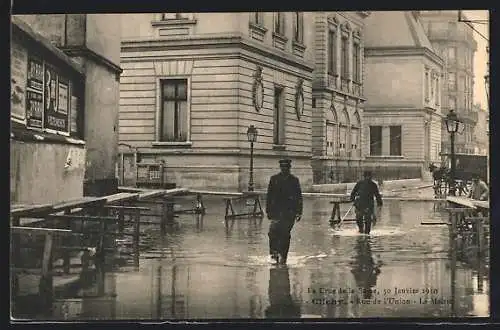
284,197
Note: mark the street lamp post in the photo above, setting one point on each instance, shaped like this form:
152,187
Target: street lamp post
453,126
487,86
252,137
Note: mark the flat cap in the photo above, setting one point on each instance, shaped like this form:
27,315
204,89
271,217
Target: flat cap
285,161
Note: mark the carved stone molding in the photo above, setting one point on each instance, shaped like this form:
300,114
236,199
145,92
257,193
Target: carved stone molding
258,89
332,106
299,98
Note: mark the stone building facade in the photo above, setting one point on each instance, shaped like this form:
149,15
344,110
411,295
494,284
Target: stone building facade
402,114
454,42
337,124
193,83
93,42
481,131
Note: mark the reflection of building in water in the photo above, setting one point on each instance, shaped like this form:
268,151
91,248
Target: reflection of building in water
437,278
95,298
170,298
394,213
255,297
103,306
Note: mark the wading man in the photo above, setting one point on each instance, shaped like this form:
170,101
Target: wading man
283,208
362,195
479,189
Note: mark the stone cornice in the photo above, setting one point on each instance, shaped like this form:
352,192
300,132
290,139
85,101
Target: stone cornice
90,54
403,51
264,61
330,90
147,151
226,40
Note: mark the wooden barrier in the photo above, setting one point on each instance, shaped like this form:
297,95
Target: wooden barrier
335,217
46,280
256,211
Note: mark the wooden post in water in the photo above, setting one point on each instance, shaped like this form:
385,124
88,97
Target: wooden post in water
163,216
121,219
15,256
453,259
480,237
137,236
46,281
66,240
168,217
85,259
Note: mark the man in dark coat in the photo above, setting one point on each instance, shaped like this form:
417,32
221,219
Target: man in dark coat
362,195
283,208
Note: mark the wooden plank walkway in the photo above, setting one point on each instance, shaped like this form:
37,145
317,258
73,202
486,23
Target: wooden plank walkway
83,202
25,210
462,201
121,198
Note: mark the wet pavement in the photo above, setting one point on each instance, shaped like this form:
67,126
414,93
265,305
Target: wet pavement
203,269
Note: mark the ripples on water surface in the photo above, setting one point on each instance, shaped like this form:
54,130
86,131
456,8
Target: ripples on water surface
210,271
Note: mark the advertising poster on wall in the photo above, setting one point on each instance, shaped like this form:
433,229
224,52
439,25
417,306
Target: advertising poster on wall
63,98
35,109
35,74
19,72
34,93
74,114
54,118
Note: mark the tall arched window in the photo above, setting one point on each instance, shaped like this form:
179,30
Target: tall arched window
298,27
279,23
331,131
343,131
356,135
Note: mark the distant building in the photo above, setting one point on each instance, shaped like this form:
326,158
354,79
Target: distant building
454,42
481,134
93,42
193,83
337,124
402,114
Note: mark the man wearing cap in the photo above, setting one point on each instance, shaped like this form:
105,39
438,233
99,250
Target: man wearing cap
479,189
362,195
283,208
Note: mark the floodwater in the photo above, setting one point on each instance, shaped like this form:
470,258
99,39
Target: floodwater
203,269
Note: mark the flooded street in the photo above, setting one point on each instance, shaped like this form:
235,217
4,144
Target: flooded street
204,269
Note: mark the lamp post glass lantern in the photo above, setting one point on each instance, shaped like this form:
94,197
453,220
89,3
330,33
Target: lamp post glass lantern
252,137
453,126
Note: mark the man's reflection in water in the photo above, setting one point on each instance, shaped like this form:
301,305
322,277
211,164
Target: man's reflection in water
365,270
281,304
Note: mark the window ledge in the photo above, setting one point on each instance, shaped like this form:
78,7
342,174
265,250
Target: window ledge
279,147
257,31
159,144
298,48
258,27
385,157
175,22
279,41
28,135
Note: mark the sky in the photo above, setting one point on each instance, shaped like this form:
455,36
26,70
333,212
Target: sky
481,57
